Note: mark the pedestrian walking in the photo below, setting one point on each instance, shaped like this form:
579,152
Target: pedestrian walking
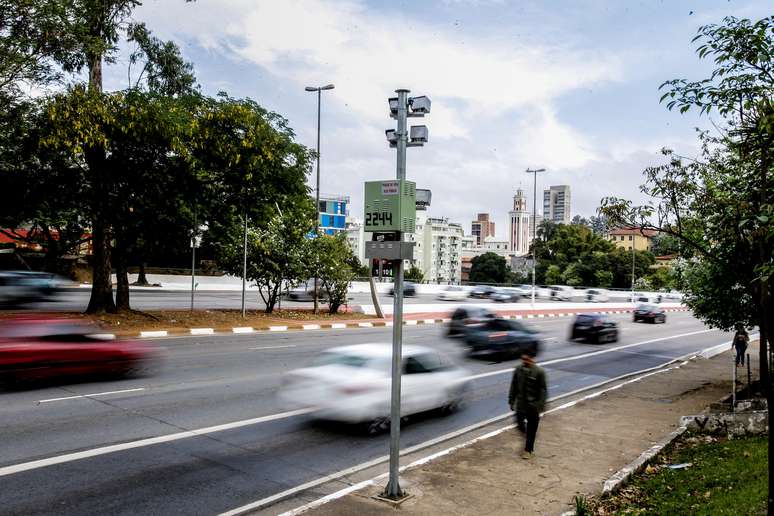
527,397
741,339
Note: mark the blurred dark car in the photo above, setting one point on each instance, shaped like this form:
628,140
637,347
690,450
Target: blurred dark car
596,328
306,294
482,291
507,295
464,316
649,313
18,288
501,337
409,289
37,349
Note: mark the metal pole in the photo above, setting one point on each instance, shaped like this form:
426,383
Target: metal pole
244,265
317,197
534,233
749,379
193,262
393,485
733,385
632,268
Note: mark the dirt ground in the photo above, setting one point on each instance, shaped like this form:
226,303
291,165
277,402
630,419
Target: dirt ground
577,449
135,321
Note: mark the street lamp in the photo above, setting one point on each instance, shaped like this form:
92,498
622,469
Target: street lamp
534,228
319,90
401,108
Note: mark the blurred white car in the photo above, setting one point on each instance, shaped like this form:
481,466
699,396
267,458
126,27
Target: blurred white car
561,293
597,295
352,384
452,293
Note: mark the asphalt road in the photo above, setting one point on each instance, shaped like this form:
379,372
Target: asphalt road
232,380
76,300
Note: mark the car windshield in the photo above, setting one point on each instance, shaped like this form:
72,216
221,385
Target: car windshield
344,359
646,308
586,318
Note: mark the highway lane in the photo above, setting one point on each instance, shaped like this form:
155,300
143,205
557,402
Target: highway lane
215,380
76,300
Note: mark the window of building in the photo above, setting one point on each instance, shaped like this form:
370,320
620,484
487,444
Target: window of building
630,238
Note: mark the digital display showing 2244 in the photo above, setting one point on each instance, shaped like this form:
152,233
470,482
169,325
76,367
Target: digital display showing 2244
378,218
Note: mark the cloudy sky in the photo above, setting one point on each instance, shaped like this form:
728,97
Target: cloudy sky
571,86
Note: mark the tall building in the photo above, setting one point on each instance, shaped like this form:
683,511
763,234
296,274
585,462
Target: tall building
556,204
356,238
482,227
334,210
438,248
520,235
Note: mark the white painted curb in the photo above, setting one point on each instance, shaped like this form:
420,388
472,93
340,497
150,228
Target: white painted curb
202,331
311,326
151,334
278,328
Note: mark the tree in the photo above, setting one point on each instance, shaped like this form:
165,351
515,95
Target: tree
604,279
663,245
599,225
580,221
336,267
721,206
553,275
488,268
571,275
277,253
415,274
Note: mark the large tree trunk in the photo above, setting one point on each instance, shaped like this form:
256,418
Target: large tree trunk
101,285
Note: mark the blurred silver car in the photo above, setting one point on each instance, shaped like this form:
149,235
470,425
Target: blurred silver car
352,384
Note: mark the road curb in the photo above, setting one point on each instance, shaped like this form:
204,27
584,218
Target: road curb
316,326
623,475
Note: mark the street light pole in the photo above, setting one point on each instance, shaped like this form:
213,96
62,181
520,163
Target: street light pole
534,225
244,263
632,237
319,90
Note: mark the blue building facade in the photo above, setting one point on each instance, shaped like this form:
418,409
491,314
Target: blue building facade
333,214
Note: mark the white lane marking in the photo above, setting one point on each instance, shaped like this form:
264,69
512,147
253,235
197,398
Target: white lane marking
243,329
365,324
278,328
338,326
103,336
419,447
151,334
202,331
311,326
274,347
104,450
591,354
91,395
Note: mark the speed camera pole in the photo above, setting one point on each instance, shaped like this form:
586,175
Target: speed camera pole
393,485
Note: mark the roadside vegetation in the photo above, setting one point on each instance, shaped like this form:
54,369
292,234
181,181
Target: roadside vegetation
722,477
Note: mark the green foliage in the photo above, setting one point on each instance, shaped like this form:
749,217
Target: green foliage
278,253
553,275
720,206
572,275
662,278
664,244
488,268
724,478
415,274
603,279
581,505
335,266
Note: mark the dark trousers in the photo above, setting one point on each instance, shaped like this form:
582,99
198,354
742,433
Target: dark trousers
527,421
740,351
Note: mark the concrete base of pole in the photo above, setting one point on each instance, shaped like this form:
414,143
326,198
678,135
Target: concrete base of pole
394,502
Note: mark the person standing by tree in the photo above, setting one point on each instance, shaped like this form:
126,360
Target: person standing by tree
527,397
741,338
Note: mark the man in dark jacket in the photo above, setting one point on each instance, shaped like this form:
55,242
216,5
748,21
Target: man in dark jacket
527,397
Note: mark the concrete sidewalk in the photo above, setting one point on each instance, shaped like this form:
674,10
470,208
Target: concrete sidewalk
577,449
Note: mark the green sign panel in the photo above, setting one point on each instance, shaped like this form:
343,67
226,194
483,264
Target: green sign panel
390,205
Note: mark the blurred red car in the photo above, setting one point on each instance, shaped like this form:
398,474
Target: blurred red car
35,349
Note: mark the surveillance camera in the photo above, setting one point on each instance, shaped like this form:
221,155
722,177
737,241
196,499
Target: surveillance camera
420,105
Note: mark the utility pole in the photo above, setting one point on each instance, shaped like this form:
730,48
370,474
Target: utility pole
193,261
534,227
244,262
632,237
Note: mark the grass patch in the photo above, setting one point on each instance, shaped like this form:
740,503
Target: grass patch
725,477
